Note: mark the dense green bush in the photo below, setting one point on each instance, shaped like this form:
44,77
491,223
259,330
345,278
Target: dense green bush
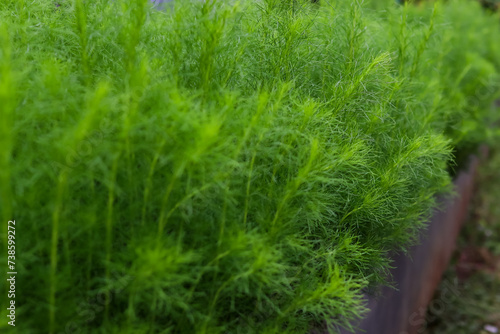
227,167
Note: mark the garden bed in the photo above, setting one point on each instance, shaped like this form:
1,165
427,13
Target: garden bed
228,167
475,265
402,309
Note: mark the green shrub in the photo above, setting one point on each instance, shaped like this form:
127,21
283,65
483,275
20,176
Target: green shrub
227,168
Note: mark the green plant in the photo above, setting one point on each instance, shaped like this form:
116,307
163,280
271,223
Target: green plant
247,167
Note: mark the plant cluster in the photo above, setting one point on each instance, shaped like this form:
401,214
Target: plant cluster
244,167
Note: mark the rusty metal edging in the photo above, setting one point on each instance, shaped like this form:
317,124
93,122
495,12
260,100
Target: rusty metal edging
418,275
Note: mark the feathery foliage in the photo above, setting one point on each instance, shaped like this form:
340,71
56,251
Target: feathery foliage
227,167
